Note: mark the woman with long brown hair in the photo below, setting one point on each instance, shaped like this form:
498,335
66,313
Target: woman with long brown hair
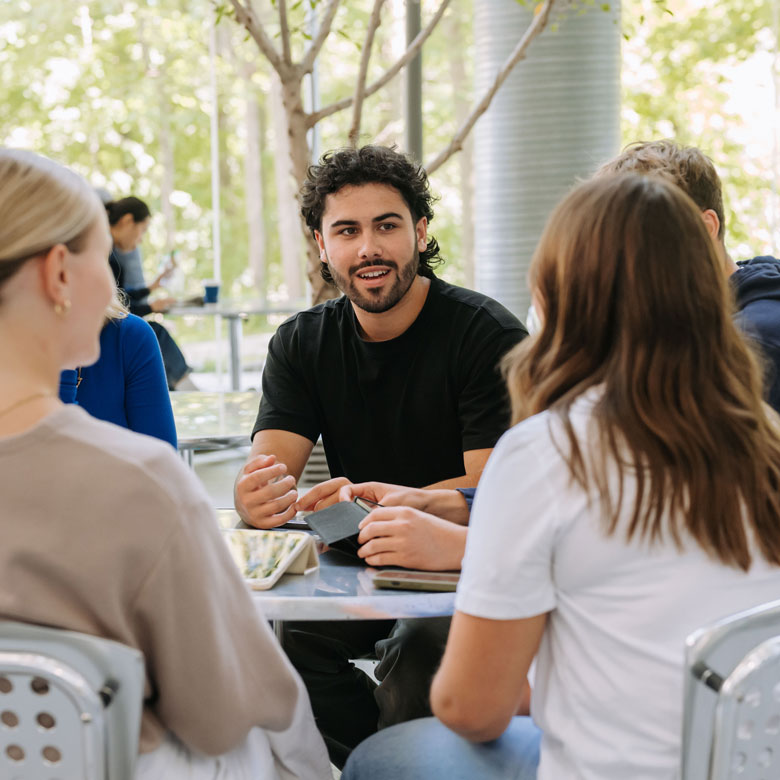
634,500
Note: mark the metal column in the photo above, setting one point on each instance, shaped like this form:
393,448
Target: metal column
552,122
414,126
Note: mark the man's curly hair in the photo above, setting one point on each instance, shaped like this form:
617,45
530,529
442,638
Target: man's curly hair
369,165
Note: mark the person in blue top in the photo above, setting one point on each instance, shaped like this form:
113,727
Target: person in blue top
127,385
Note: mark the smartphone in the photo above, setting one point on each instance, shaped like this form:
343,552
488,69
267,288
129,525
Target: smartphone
366,503
407,579
297,523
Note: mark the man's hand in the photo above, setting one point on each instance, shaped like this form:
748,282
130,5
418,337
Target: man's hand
264,493
386,494
161,304
447,504
323,495
402,536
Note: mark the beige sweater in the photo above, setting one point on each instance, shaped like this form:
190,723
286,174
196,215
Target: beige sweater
105,531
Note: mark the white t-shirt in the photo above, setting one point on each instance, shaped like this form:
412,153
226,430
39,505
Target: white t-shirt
609,672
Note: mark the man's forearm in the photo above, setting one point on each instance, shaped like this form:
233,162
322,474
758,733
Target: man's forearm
455,482
474,462
447,504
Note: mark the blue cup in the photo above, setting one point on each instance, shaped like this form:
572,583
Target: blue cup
210,291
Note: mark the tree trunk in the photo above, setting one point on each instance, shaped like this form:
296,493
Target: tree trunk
287,204
157,78
299,156
291,73
168,166
254,187
454,32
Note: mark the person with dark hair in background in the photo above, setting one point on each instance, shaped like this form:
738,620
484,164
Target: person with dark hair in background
128,220
400,378
755,282
131,264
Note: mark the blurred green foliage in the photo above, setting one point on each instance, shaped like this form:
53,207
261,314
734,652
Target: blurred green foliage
691,70
96,83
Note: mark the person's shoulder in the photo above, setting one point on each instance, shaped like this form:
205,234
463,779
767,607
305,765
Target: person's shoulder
480,305
126,460
528,458
129,327
756,284
309,325
548,428
134,337
761,260
533,431
331,309
756,273
133,324
98,438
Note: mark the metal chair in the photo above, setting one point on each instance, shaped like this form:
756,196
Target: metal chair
70,705
731,715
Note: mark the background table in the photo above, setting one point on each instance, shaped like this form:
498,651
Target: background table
341,589
213,421
235,314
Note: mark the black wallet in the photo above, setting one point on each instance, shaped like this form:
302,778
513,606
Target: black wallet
337,525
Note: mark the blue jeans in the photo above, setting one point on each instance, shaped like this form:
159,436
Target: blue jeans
425,749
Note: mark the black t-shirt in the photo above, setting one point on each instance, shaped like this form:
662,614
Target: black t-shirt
400,411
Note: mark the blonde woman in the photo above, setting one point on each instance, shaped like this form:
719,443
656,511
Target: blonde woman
635,499
107,532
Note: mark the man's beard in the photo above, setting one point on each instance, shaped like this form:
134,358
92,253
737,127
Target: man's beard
381,299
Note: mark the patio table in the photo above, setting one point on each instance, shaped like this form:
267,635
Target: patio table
235,313
213,421
341,589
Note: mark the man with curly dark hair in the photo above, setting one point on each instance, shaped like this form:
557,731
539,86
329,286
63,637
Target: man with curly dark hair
364,166
400,378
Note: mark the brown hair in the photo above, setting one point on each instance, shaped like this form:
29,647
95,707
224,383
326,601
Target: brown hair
688,167
634,302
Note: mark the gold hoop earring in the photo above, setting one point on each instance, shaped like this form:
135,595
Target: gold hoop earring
63,308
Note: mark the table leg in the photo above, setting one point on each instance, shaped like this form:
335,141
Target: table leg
277,626
188,455
234,325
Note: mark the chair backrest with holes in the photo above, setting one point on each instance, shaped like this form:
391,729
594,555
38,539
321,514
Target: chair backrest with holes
731,710
54,721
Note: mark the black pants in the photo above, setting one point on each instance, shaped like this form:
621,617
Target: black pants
348,705
176,367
